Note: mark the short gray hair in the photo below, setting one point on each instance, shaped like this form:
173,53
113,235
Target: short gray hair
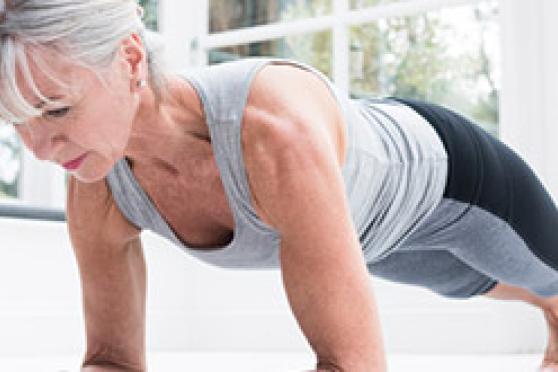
89,32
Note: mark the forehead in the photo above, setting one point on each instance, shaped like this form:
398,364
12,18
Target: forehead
53,73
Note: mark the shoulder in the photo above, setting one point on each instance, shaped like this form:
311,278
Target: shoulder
291,134
93,215
288,103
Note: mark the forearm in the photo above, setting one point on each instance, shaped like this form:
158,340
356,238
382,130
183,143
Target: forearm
338,315
114,296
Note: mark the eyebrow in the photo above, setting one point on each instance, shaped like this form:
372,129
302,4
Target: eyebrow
41,104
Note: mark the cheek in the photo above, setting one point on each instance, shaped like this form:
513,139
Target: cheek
123,114
107,128
104,119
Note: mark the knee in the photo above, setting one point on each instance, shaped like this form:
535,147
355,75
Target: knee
547,291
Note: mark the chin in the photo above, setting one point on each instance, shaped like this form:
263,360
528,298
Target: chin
88,174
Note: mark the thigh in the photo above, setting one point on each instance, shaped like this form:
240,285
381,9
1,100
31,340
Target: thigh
436,270
507,225
493,247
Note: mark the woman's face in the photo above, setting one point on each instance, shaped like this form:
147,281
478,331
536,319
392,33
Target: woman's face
89,122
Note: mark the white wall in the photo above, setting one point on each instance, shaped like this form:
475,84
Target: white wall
529,107
41,182
195,307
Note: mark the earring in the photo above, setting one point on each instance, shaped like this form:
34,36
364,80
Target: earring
141,83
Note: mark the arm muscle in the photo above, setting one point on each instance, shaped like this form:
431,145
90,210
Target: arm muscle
113,279
295,177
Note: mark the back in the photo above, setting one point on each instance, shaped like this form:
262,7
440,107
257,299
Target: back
395,176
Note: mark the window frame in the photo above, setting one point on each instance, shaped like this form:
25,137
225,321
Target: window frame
339,23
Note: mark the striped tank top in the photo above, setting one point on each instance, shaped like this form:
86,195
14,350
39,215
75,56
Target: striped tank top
394,174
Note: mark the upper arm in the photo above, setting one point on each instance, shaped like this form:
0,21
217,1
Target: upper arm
93,215
291,136
113,277
294,174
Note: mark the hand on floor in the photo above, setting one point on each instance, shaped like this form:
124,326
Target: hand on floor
549,368
550,360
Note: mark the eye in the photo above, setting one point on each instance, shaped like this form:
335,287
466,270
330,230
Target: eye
58,112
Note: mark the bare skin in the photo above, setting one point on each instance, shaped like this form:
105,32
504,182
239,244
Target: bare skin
549,307
293,142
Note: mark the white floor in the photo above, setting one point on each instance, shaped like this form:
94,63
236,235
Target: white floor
266,362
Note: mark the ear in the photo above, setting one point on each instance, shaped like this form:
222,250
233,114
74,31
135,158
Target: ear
133,55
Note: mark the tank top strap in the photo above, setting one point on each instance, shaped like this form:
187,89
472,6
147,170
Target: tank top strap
223,90
133,202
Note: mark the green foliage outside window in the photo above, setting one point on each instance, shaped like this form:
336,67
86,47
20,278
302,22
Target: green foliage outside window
447,56
420,57
150,17
10,162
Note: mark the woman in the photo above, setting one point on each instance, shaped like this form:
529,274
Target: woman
239,162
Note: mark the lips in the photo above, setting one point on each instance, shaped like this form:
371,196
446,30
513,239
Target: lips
75,164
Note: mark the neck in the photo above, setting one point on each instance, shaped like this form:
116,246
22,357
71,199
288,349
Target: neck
167,132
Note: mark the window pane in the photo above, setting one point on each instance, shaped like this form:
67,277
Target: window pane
313,49
151,15
232,14
10,162
450,57
359,4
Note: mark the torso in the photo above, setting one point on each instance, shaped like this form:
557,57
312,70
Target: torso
188,191
192,200
189,194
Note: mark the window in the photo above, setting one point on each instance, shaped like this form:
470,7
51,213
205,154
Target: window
448,56
10,159
312,48
151,14
227,15
426,50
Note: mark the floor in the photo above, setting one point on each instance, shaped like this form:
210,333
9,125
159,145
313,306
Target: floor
267,362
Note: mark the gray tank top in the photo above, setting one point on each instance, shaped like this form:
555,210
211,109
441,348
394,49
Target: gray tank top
395,170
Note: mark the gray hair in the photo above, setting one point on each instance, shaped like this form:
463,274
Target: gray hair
89,32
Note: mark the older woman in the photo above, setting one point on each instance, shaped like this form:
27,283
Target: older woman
261,163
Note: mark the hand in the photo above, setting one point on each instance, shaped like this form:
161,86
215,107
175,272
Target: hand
549,368
101,369
550,360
